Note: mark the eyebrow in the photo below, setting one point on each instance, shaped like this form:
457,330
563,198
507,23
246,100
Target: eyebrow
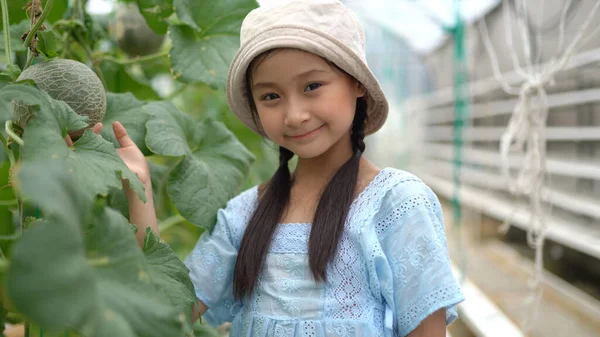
303,74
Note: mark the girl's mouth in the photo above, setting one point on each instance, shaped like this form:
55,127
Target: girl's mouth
308,134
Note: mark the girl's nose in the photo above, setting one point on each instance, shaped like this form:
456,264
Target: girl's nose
296,114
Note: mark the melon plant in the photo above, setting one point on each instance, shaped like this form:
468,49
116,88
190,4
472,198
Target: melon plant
69,261
133,34
72,82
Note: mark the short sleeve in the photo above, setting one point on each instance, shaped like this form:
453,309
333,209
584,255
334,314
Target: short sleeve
411,233
211,264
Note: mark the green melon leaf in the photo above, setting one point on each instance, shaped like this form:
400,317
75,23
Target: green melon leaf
198,59
169,273
8,205
171,130
11,73
17,13
118,80
130,112
205,330
90,282
159,174
214,164
48,44
204,47
66,295
94,274
156,13
16,30
215,17
92,161
58,198
58,113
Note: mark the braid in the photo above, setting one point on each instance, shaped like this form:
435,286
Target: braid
284,156
358,127
262,226
335,202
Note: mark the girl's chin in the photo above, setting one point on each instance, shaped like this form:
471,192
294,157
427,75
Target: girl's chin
309,151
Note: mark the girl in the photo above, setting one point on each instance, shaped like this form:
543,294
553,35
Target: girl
338,247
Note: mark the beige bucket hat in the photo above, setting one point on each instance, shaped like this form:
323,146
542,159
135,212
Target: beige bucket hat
323,27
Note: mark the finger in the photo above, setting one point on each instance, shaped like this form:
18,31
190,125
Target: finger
121,135
97,128
68,140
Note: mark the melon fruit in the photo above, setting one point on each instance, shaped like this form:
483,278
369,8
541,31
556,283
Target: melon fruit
133,34
70,81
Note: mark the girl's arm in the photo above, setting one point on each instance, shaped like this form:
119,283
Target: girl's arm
198,311
141,214
432,326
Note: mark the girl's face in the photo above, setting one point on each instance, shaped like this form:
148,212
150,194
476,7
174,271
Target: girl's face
304,104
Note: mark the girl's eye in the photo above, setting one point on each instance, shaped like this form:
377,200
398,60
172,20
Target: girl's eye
269,97
313,86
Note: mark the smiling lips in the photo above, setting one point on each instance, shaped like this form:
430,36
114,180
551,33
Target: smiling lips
306,135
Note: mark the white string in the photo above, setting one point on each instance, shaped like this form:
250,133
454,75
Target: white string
524,26
495,64
509,39
571,50
539,41
590,36
561,29
526,130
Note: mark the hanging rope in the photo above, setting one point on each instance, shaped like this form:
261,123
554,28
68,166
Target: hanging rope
525,134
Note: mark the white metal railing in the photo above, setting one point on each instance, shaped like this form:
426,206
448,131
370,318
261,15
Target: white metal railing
505,107
579,204
576,167
446,96
483,187
564,231
486,133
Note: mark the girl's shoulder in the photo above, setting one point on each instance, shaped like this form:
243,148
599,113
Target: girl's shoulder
389,187
404,197
392,184
242,203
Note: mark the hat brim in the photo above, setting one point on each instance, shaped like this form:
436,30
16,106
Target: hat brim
313,41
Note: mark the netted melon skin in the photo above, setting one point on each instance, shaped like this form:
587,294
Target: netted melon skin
133,34
72,82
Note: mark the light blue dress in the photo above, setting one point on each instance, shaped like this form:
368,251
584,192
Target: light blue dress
391,270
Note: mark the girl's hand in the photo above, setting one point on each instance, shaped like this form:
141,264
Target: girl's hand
129,152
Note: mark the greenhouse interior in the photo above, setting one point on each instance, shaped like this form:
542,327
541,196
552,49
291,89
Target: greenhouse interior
493,108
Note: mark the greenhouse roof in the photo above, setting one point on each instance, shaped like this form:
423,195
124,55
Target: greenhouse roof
419,22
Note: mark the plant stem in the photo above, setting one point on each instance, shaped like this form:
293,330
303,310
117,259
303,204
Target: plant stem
101,261
11,133
6,27
134,60
35,28
21,211
4,266
10,154
10,237
168,223
8,203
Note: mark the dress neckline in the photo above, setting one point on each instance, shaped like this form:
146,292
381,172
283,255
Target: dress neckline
358,197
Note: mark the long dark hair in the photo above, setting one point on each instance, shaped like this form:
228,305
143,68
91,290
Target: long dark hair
329,218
